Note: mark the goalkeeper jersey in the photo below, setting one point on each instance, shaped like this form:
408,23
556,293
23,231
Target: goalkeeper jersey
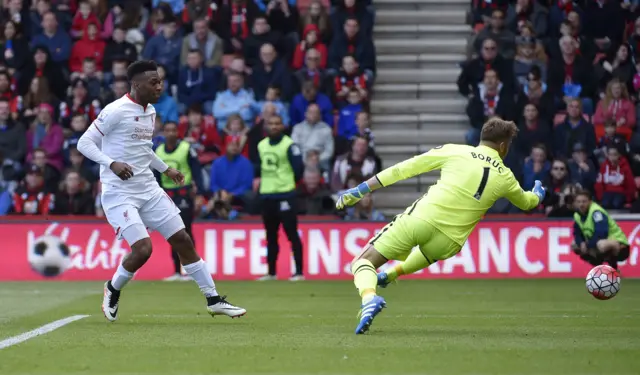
471,180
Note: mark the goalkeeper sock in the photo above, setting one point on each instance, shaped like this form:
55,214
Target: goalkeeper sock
365,278
415,262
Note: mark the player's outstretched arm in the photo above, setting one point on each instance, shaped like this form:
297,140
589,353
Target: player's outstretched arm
524,200
431,160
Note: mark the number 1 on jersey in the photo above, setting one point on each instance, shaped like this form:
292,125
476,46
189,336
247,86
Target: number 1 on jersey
483,183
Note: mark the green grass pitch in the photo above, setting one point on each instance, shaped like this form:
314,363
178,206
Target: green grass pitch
488,327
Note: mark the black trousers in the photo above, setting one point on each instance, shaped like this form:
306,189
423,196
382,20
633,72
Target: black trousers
274,213
185,204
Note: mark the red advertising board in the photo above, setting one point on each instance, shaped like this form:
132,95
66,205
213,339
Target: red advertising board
237,251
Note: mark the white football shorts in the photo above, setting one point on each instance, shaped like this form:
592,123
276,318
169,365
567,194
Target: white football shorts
154,211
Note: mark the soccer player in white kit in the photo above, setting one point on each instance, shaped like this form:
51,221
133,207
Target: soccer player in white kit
120,141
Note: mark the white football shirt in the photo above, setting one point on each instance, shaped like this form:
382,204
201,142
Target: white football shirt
127,131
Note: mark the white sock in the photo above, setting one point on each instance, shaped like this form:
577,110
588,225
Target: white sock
199,273
121,278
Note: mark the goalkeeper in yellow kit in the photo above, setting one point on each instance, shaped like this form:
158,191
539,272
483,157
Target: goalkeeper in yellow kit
472,179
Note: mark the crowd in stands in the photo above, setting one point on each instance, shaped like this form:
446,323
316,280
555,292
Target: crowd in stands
568,73
226,64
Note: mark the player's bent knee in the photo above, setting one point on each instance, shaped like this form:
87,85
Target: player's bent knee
142,249
181,240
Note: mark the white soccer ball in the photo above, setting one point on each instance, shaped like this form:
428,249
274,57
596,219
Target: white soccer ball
49,256
603,282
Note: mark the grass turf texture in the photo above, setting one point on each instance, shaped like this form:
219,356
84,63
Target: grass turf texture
430,327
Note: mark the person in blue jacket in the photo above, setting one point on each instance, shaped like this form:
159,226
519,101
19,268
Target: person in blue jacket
310,95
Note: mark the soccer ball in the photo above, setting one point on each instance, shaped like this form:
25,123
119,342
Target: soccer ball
49,256
603,282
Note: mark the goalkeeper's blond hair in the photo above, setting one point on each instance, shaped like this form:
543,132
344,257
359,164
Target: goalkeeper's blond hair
497,130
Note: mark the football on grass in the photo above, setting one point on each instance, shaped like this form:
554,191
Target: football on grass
603,282
49,256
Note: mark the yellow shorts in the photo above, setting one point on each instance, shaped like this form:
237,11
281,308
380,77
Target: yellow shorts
396,240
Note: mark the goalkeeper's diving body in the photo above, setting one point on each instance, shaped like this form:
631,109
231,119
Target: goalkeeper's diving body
438,223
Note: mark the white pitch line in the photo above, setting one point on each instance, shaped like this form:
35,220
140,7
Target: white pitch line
39,331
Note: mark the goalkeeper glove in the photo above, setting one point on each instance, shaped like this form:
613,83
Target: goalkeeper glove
352,196
538,190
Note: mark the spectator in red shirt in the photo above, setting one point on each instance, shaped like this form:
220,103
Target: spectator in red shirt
83,18
201,131
616,106
31,197
310,39
89,46
615,185
350,77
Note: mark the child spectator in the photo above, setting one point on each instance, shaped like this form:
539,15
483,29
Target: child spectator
84,16
310,39
611,139
236,132
347,127
89,46
615,185
349,78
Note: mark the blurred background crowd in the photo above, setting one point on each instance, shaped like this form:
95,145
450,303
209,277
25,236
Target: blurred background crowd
568,72
226,64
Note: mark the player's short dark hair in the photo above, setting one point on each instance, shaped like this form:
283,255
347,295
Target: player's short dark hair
584,193
497,130
195,50
140,67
